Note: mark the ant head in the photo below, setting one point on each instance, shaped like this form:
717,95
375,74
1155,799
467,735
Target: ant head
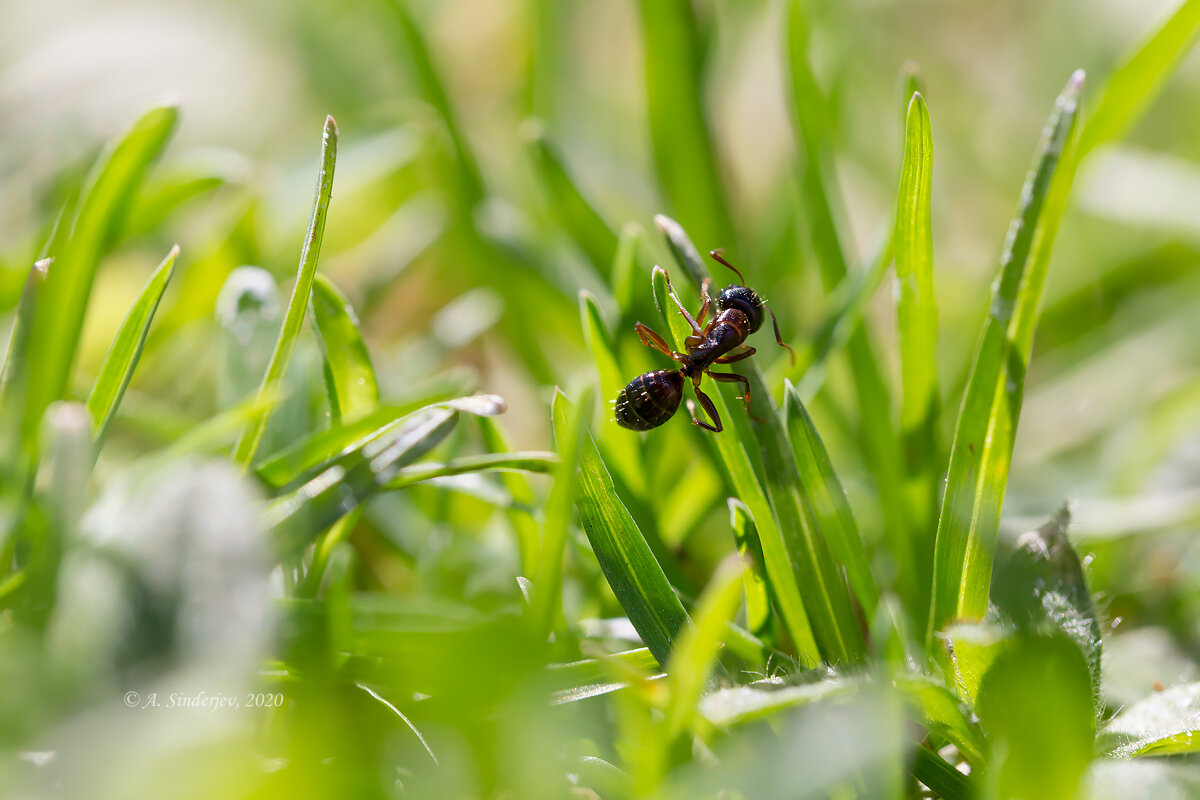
745,300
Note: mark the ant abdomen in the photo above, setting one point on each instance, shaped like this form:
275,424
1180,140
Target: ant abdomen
649,400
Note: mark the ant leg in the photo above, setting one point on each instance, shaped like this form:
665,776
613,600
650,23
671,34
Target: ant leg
652,339
675,299
779,339
719,256
749,351
707,301
692,342
709,408
733,377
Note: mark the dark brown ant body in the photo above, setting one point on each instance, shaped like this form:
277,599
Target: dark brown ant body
651,399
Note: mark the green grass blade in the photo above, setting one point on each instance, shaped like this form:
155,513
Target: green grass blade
117,369
831,511
983,437
547,583
575,214
539,461
299,518
795,545
946,781
353,389
916,309
1134,85
520,514
684,156
743,464
693,658
1165,723
247,444
15,376
634,575
106,199
749,549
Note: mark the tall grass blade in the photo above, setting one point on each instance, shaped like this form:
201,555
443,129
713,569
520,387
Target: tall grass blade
983,437
634,575
117,369
247,444
520,515
1136,83
547,582
827,499
15,375
684,155
79,246
749,549
350,378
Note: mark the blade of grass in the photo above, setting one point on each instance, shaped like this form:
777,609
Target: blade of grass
15,377
743,465
684,156
575,214
519,515
820,485
983,437
537,461
634,575
117,369
818,184
749,549
247,444
547,583
110,189
695,654
1134,85
300,517
349,376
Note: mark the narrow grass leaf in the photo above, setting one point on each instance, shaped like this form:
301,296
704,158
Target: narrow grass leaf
1136,83
635,577
356,475
946,782
624,268
942,713
547,582
693,658
15,376
916,314
823,490
983,437
589,677
117,369
520,513
577,216
684,156
739,705
535,461
181,181
749,549
79,249
795,546
247,444
1164,724
350,378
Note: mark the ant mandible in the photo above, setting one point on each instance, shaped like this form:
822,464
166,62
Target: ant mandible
651,399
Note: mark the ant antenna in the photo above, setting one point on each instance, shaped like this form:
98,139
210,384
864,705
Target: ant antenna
719,255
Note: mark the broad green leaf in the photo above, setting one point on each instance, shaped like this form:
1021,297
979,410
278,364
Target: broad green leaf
353,477
574,213
916,315
743,465
1134,85
117,369
353,390
1041,586
696,650
971,647
796,545
684,156
1035,705
247,444
827,499
634,575
79,248
1163,724
983,436
568,439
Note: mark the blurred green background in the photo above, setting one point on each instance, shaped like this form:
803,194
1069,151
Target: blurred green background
444,236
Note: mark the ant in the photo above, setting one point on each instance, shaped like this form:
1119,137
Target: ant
651,399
